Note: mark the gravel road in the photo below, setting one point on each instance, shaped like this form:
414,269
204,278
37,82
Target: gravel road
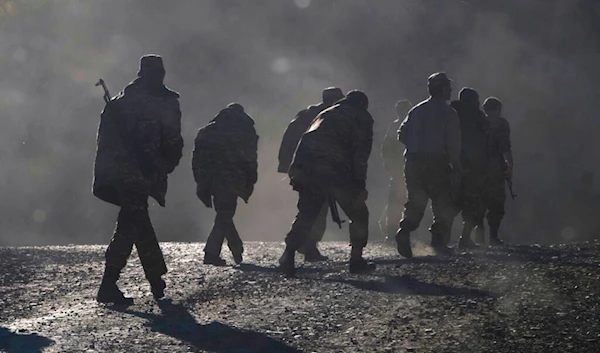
511,299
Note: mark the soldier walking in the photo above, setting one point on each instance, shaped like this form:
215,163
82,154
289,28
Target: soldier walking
331,163
431,134
391,152
500,169
225,167
290,141
139,144
474,159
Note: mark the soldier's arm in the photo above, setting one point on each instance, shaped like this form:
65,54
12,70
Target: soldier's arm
288,147
199,157
404,127
171,139
252,158
363,142
453,139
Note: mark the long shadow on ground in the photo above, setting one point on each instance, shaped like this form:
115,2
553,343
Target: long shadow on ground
11,342
411,286
176,321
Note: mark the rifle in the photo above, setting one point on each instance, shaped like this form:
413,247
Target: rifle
510,188
107,95
335,214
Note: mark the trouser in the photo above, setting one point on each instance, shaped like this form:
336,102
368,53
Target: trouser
494,198
472,200
225,203
134,228
392,213
318,229
428,177
311,199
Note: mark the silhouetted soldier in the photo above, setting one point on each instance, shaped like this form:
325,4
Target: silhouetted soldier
290,140
331,163
393,160
500,168
431,134
139,144
225,168
474,159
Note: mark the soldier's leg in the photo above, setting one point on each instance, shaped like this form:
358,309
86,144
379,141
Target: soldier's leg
417,199
119,249
394,207
386,227
497,198
310,202
471,208
414,208
148,248
216,237
124,236
480,229
443,216
227,205
358,214
309,249
443,208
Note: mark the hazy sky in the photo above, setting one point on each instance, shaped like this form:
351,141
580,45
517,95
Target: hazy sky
274,56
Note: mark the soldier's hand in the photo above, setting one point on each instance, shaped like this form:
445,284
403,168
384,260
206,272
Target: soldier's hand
204,196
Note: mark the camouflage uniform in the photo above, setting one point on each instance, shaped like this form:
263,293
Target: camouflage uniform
431,134
331,162
225,167
474,159
290,141
139,144
134,227
494,193
393,160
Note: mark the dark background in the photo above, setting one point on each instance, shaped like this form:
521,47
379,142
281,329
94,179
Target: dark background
274,56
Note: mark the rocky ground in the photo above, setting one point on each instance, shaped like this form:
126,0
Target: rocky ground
513,299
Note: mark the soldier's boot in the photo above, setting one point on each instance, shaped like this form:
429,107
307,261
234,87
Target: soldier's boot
236,246
157,287
439,246
237,257
109,292
403,243
358,264
287,264
465,242
311,253
212,259
494,240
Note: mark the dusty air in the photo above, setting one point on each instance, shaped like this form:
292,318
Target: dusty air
299,176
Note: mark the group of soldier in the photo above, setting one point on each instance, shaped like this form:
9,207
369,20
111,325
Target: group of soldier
456,155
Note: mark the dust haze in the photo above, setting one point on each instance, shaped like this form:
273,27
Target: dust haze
274,57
